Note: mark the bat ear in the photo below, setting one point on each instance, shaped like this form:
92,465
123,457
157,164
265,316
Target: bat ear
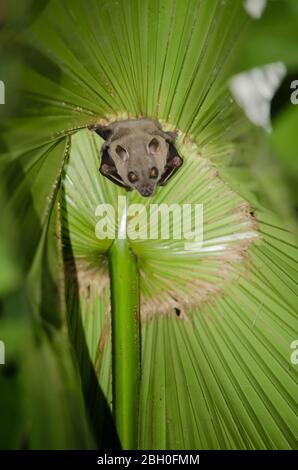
153,146
122,153
104,132
108,169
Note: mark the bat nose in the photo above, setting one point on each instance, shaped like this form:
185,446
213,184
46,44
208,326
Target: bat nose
146,192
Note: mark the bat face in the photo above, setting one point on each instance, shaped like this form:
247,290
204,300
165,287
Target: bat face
138,154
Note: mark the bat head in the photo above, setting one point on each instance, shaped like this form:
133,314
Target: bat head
138,155
140,160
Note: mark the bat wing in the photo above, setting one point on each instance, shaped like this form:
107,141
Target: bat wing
104,132
174,162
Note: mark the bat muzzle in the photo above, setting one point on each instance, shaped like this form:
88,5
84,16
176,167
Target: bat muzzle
146,192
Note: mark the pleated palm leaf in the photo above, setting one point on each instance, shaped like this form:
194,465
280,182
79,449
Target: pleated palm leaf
217,321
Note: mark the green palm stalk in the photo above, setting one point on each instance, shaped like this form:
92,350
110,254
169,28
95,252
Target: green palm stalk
125,341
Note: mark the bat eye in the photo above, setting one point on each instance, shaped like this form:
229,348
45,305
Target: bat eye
153,172
132,177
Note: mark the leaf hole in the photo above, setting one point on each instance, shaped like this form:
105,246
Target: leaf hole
177,311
